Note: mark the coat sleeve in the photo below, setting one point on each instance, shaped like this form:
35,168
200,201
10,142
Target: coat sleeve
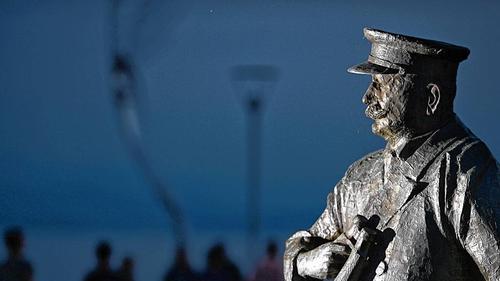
474,207
326,228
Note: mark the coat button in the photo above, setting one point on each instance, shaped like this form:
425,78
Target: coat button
381,268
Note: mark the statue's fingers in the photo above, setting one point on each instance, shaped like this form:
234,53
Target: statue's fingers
358,222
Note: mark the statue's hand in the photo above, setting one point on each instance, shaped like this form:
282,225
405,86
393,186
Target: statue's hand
359,222
324,261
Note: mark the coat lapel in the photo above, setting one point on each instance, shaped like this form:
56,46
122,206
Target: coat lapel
405,178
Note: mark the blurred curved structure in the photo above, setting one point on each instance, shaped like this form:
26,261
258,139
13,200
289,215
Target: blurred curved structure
125,94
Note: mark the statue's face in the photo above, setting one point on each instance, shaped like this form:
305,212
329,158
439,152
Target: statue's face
393,105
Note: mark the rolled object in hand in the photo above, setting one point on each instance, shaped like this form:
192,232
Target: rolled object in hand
357,260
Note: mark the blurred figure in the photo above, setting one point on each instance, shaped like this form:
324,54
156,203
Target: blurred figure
269,269
102,271
126,270
181,270
219,267
15,268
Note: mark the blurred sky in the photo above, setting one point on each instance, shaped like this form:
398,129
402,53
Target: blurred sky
62,163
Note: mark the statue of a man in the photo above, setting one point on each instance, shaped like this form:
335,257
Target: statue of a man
427,206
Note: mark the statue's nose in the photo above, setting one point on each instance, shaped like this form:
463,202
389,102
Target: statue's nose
368,96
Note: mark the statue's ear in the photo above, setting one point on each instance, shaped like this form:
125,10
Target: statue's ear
434,95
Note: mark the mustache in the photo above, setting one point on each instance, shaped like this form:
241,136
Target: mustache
375,111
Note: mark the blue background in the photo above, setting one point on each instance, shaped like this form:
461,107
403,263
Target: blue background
64,170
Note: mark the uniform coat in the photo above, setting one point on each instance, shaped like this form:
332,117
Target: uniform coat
439,197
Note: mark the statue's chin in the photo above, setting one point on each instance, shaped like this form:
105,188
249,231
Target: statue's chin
391,131
386,129
381,127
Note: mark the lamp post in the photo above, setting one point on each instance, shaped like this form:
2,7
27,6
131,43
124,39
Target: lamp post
253,84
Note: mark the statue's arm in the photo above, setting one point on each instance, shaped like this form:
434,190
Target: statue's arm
326,228
474,212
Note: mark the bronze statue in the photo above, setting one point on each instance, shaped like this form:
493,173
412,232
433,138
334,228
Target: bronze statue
427,206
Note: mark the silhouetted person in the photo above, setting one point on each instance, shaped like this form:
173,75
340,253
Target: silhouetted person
269,269
219,267
126,270
102,271
16,267
181,270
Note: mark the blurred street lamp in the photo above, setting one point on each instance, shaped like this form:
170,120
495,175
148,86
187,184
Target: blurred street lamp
253,84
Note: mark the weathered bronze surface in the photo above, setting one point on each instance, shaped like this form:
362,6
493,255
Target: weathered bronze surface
427,206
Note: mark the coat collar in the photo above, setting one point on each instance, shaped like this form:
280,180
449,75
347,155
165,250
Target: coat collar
411,160
416,155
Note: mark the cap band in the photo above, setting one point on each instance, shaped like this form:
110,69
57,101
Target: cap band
383,62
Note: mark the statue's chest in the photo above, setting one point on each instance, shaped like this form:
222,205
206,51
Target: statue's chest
408,254
406,216
384,191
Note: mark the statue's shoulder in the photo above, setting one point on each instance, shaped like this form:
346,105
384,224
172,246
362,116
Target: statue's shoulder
472,153
477,173
364,166
469,151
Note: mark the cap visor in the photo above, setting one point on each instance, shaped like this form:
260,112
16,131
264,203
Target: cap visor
371,68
